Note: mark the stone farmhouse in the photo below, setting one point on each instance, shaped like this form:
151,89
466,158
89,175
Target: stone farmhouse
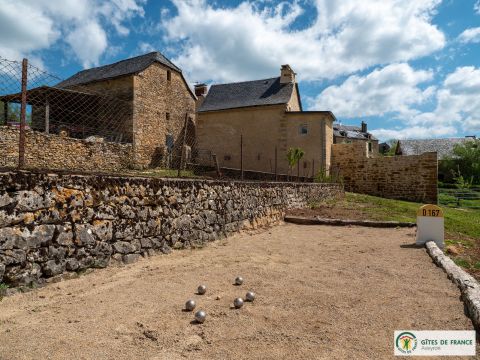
345,134
159,98
262,119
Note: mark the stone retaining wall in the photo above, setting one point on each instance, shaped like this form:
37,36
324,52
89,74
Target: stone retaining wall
412,178
51,224
51,151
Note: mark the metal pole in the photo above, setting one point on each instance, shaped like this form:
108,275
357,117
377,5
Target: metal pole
47,116
183,144
241,157
298,170
276,171
5,112
21,143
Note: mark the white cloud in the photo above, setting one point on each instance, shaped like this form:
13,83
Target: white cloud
392,89
248,41
471,35
457,107
28,26
414,132
476,7
89,41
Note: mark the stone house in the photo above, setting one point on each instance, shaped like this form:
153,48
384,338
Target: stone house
345,134
157,99
252,124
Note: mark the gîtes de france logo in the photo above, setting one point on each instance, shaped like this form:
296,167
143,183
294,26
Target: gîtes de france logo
406,342
409,342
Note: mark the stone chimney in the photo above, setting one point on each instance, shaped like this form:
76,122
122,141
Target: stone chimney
287,75
364,127
200,93
200,90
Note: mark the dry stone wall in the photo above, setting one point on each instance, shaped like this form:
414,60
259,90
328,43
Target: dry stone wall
51,224
412,178
50,151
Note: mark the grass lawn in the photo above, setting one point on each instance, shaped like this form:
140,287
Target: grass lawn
462,225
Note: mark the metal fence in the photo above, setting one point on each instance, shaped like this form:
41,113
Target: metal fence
462,198
34,103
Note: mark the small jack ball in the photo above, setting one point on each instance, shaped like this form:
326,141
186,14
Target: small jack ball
190,305
238,280
200,316
250,296
202,289
238,303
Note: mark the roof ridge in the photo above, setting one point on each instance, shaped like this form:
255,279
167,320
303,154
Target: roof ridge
245,82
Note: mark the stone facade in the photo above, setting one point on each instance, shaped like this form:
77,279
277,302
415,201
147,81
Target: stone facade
63,153
412,178
160,107
51,224
265,128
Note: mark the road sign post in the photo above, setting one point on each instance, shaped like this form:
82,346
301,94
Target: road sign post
430,225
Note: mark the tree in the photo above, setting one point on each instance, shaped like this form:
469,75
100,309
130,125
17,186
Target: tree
294,155
393,147
467,158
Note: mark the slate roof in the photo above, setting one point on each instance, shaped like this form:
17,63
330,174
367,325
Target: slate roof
351,132
246,94
120,68
443,147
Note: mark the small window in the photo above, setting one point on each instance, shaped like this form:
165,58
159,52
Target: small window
259,156
227,158
303,129
369,146
305,164
167,116
169,75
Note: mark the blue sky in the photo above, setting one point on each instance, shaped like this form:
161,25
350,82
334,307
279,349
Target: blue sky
411,69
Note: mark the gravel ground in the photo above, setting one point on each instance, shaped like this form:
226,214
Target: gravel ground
322,293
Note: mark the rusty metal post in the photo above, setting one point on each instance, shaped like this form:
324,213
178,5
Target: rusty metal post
23,108
241,157
183,144
5,112
298,170
276,170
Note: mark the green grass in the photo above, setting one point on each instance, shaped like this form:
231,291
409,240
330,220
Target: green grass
458,221
3,286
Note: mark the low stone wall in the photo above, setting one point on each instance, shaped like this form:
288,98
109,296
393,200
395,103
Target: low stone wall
412,178
52,151
51,223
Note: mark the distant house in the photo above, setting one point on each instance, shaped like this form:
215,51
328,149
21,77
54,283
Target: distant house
443,147
144,100
261,120
343,134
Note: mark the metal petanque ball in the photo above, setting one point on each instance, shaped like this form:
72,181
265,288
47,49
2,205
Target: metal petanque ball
250,296
238,303
238,280
202,289
200,316
190,305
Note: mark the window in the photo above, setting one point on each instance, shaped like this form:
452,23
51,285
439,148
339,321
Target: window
303,129
259,157
167,116
369,146
169,75
227,158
